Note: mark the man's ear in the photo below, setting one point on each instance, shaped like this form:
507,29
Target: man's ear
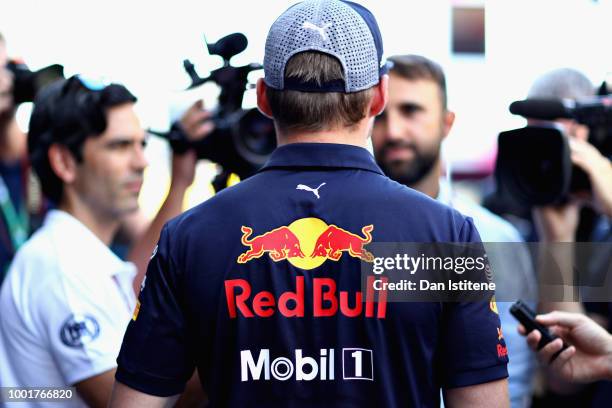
62,163
447,124
262,99
381,96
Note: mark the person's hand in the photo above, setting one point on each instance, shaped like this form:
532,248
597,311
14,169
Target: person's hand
599,170
196,123
557,223
589,358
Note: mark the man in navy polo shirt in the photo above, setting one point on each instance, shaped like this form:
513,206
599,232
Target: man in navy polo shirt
259,288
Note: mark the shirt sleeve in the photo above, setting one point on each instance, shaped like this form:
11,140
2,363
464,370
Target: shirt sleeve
84,336
155,357
472,348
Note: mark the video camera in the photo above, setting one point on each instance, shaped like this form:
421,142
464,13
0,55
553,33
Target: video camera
26,83
242,139
533,163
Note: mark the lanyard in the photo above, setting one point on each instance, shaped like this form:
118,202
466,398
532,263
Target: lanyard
17,223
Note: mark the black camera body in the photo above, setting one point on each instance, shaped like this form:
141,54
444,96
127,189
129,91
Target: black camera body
242,139
533,163
26,83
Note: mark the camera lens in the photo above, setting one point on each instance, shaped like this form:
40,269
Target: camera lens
255,138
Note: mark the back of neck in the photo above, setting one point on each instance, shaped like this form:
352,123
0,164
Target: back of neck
356,136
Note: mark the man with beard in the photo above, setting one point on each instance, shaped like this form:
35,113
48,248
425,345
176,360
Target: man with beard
407,140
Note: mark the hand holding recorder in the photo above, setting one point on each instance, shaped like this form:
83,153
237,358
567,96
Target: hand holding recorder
589,358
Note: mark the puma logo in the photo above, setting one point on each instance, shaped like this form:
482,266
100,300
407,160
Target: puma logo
321,30
314,191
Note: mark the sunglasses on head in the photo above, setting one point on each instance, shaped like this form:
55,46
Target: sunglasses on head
90,83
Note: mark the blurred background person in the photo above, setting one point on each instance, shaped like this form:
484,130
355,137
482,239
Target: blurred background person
407,140
87,147
21,206
67,297
559,223
24,206
583,217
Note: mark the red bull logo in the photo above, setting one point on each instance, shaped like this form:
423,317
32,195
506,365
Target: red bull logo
305,243
310,236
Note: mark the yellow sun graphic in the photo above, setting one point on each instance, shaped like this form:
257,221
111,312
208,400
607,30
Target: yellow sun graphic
307,230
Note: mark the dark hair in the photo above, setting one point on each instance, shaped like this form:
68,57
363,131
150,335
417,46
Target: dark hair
316,111
414,67
67,113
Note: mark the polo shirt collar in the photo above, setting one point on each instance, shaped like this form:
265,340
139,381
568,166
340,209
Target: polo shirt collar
74,237
322,155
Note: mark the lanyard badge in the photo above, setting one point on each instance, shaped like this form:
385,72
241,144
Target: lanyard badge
16,221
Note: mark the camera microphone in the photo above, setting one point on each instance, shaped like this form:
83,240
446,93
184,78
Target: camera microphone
228,46
546,109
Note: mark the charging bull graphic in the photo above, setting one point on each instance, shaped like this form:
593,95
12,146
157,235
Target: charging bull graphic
335,240
280,243
306,236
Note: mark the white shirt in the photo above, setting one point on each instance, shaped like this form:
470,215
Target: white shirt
515,279
64,307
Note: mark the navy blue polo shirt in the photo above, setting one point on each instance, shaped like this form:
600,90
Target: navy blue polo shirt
259,289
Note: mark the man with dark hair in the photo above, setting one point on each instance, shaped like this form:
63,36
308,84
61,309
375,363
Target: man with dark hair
418,96
259,288
67,298
407,141
60,131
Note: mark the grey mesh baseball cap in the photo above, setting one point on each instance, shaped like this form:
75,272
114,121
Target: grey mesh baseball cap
342,29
